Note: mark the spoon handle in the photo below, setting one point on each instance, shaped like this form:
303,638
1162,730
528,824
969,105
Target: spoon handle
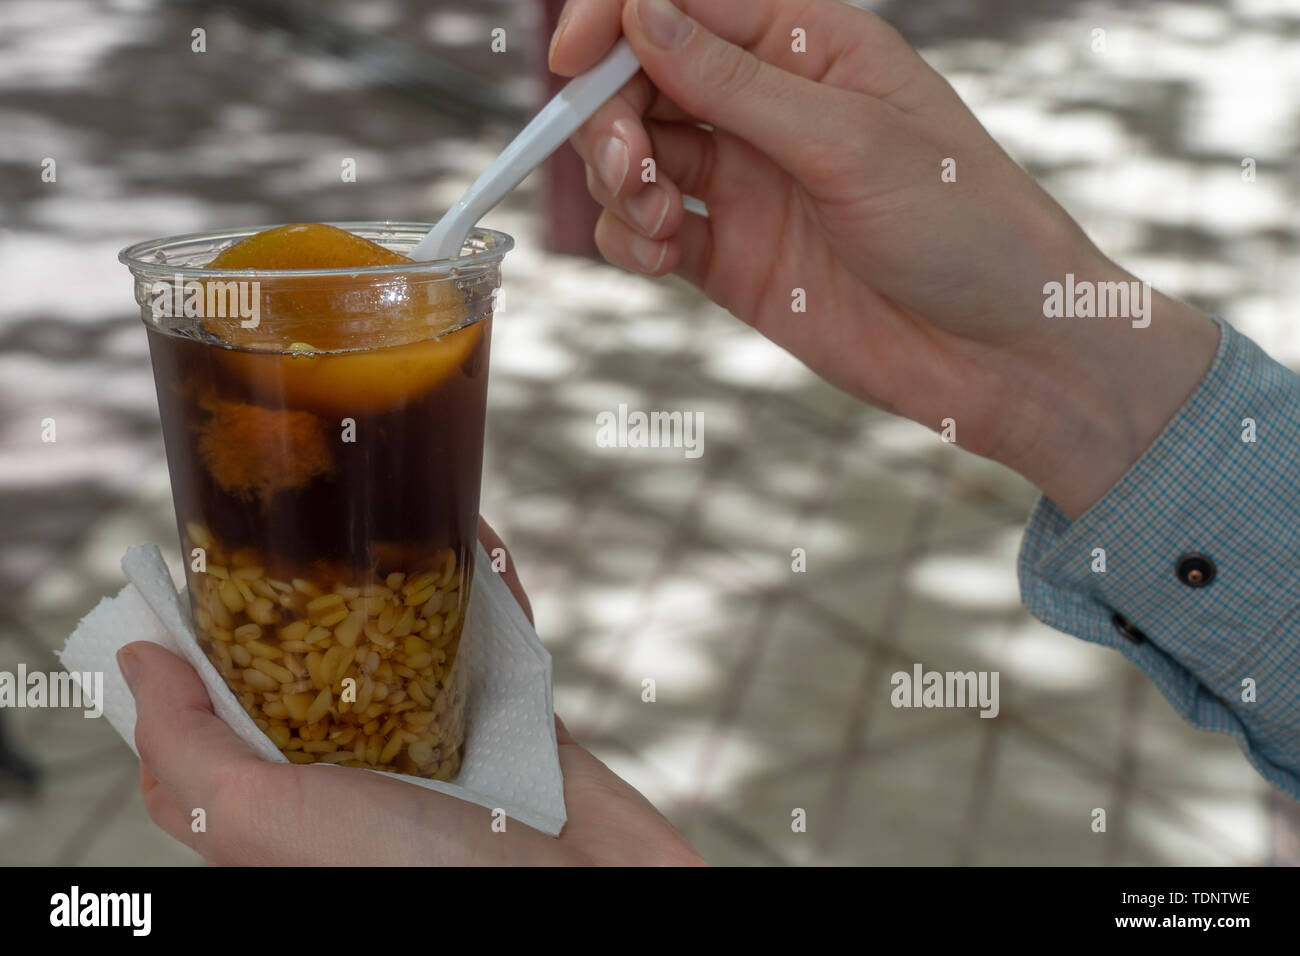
547,131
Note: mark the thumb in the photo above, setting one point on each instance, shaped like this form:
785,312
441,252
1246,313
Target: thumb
184,744
726,86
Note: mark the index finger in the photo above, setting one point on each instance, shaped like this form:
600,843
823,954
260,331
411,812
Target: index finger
585,32
588,28
844,46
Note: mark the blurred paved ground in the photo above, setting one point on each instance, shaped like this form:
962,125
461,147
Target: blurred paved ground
772,686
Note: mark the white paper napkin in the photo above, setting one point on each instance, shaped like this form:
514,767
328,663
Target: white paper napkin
511,759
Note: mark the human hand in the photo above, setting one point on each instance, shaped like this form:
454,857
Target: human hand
822,172
260,813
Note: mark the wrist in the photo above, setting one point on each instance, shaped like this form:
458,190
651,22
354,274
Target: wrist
1104,390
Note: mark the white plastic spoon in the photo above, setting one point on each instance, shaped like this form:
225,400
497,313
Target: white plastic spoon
569,109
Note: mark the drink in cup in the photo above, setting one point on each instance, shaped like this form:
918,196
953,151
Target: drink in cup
322,401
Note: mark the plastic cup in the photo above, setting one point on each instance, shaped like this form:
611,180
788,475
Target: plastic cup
324,436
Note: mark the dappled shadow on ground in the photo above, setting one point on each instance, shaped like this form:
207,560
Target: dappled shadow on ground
773,686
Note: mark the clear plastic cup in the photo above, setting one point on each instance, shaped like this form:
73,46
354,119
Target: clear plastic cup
324,435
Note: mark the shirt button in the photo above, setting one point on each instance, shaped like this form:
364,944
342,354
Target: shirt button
1195,570
1128,630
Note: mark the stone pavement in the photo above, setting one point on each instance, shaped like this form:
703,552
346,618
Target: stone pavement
772,686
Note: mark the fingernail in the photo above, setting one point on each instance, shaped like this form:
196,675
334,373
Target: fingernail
648,209
648,253
555,38
129,665
665,25
612,162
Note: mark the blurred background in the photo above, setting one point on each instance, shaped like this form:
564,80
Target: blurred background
773,687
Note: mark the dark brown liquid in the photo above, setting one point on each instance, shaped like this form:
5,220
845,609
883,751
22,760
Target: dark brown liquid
263,463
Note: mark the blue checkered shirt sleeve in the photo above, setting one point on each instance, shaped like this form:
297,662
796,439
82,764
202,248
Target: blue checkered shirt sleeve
1201,488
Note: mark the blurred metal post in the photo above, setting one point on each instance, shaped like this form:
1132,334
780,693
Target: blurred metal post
568,210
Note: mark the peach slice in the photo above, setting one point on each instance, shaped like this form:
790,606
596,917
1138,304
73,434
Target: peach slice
328,368
254,452
305,245
340,382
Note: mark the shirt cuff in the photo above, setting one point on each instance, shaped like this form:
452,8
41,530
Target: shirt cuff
1201,488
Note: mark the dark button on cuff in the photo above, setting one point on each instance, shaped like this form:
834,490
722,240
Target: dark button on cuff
1195,570
1128,630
